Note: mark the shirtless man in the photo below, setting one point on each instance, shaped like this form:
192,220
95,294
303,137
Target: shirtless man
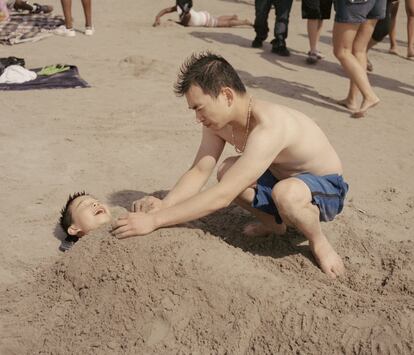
287,172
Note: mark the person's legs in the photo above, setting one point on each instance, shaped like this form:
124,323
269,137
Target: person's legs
228,17
67,13
293,200
393,28
87,9
224,21
409,8
344,35
282,8
262,8
314,33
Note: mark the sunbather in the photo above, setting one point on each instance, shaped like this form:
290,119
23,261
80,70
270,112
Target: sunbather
190,17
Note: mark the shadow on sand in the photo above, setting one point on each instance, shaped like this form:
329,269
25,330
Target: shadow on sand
227,225
299,59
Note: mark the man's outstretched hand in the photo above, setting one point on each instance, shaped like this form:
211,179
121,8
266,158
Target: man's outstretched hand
133,224
147,204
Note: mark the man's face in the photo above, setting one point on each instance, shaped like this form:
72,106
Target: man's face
87,214
211,112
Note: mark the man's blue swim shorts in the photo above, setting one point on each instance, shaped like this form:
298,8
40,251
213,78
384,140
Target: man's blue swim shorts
328,194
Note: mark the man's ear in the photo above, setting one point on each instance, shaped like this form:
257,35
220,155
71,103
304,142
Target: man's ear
228,94
73,230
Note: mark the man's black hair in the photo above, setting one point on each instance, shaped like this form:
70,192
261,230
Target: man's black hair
209,71
65,220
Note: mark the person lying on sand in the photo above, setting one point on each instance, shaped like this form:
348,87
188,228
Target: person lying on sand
189,17
285,172
82,214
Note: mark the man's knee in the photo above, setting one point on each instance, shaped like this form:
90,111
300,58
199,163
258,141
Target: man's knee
290,195
224,166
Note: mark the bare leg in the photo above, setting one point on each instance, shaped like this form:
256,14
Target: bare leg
344,35
314,33
67,13
228,17
87,9
267,223
233,22
293,200
359,50
393,28
409,8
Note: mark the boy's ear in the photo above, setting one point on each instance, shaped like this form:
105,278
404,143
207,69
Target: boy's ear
73,230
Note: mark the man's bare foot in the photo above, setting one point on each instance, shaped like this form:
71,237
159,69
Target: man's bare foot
393,50
327,258
348,104
410,56
366,104
258,229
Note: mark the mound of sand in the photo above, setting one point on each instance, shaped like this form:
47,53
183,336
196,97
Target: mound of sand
184,290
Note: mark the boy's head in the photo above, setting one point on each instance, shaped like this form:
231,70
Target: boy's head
82,214
211,72
185,5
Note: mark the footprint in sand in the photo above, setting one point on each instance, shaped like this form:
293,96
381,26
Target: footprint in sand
159,330
138,66
366,336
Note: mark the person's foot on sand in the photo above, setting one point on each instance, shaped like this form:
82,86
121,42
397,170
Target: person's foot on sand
258,229
410,56
350,105
393,50
366,104
327,258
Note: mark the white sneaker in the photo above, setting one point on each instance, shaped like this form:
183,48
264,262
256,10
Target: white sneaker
65,32
89,31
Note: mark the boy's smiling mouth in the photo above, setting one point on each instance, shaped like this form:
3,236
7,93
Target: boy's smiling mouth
99,211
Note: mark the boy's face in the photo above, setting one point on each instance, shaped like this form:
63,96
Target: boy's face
211,112
87,214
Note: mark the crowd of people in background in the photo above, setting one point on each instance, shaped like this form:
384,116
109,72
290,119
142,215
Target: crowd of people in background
358,26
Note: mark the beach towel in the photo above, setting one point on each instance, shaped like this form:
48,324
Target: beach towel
24,27
63,80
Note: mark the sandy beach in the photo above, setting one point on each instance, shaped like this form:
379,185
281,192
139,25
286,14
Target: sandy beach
200,288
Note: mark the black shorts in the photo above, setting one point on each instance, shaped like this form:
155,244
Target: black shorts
316,9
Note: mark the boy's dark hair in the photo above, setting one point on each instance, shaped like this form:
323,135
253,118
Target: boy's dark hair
210,72
65,219
185,5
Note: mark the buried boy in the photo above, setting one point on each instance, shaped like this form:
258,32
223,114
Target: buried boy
82,214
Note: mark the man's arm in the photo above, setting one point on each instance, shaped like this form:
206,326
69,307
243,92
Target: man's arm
167,10
261,149
195,178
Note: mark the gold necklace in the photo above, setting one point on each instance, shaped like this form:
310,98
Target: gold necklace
249,112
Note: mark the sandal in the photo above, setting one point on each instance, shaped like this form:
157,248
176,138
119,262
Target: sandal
53,69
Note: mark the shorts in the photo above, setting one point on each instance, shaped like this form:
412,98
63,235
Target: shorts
359,12
328,194
316,9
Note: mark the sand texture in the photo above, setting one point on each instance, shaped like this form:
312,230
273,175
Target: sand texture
202,287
